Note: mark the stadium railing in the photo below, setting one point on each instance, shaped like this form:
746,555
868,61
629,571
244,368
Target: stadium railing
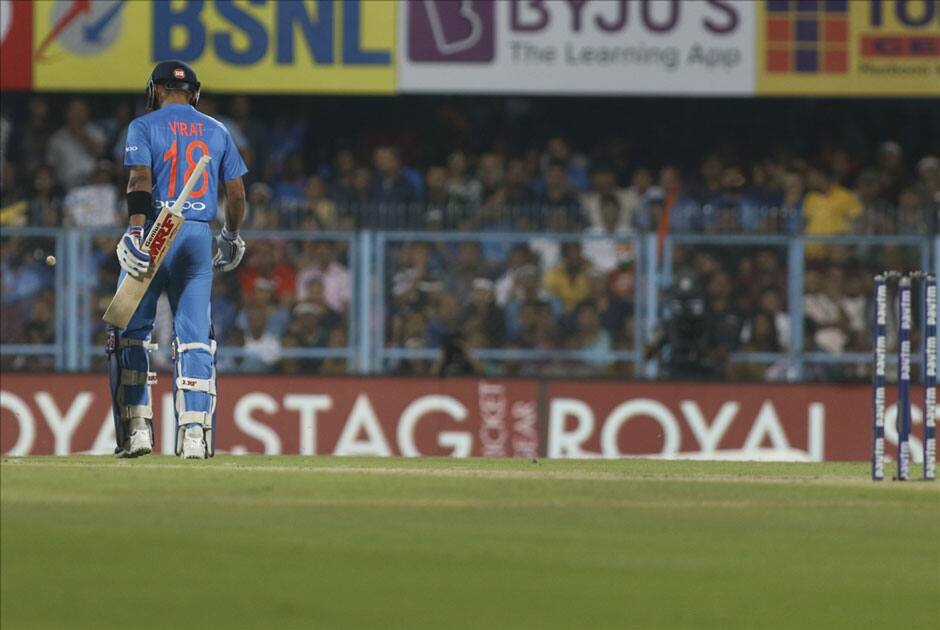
81,252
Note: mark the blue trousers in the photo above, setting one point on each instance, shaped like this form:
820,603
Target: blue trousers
186,276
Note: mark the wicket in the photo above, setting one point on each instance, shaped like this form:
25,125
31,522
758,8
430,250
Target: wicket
929,373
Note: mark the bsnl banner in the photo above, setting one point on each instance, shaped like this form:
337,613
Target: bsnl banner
296,46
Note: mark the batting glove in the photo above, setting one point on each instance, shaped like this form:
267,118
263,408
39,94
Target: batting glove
133,258
230,249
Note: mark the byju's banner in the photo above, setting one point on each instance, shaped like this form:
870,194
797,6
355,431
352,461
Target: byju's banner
583,47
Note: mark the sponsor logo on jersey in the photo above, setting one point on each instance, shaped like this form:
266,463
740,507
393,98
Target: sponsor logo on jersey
195,206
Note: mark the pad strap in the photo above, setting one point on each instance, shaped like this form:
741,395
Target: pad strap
196,417
186,347
124,343
135,377
137,411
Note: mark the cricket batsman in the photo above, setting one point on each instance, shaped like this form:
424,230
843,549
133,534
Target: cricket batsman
162,150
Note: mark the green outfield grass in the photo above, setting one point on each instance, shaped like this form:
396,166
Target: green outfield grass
289,542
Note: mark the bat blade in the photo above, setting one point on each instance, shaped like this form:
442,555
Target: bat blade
131,291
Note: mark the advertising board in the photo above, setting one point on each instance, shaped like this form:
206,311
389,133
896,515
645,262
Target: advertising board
63,414
289,46
585,47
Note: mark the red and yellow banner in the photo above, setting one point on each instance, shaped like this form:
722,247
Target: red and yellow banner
848,47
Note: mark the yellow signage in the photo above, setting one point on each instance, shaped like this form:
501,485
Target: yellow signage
283,46
851,47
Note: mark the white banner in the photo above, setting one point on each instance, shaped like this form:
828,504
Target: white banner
577,46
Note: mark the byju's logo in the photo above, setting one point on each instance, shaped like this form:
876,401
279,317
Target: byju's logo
451,30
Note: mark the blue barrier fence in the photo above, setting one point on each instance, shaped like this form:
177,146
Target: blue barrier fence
77,285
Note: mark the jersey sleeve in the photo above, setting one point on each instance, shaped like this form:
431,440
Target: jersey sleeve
137,146
232,166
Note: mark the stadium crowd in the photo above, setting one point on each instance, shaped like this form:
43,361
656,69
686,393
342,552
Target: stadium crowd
536,292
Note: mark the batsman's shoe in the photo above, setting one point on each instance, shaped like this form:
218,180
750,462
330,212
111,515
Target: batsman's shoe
194,443
138,438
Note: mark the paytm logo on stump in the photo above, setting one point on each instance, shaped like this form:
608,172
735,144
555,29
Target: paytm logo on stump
451,31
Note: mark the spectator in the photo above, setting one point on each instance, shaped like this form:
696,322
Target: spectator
45,201
558,152
604,186
591,337
709,185
286,136
875,216
262,215
723,323
316,302
928,172
226,303
335,366
829,208
854,304
319,212
526,290
682,211
827,321
458,279
29,140
467,190
310,326
265,263
94,204
323,266
568,281
772,304
440,200
605,253
114,128
638,196
344,167
520,257
758,335
790,218
733,209
518,189
891,168
559,196
445,317
262,347
388,184
254,150
912,215
73,150
490,173
483,307
289,190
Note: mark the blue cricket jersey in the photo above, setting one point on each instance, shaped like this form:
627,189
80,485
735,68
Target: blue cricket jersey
170,141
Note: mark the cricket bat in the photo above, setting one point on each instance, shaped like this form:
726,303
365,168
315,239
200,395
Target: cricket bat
158,242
